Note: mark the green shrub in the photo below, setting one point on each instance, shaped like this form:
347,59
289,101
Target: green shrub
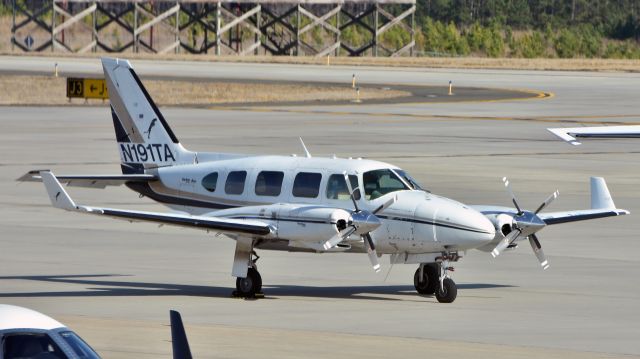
567,45
531,45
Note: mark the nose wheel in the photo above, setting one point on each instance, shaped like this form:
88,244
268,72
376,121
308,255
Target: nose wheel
447,291
433,278
426,279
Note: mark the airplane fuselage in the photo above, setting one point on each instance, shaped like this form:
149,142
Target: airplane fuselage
272,188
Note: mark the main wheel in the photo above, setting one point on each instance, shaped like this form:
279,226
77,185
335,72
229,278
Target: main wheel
448,292
250,285
429,281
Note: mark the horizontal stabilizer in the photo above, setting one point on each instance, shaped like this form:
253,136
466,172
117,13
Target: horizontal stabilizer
60,199
90,181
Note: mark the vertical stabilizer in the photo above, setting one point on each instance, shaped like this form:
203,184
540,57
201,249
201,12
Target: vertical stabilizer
600,196
144,137
179,341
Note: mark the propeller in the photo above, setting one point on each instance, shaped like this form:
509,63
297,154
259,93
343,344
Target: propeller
361,222
525,224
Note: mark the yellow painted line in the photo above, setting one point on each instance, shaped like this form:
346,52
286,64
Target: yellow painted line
537,95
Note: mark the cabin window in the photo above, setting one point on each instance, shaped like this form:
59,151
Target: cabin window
337,187
235,182
210,181
31,345
269,183
380,182
307,184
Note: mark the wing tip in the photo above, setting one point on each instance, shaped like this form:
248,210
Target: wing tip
564,134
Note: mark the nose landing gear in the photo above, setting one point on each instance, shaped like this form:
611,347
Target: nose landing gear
433,278
426,278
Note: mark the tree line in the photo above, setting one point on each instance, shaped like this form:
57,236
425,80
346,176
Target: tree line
530,28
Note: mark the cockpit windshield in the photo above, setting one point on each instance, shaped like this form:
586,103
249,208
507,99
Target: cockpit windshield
380,182
407,178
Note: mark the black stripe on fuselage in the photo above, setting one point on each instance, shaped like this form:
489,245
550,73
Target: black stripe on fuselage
145,189
413,220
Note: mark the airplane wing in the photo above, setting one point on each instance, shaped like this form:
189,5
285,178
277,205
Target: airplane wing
89,181
60,199
580,215
570,134
601,206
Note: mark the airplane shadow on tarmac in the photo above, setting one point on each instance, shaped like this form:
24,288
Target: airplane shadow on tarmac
98,285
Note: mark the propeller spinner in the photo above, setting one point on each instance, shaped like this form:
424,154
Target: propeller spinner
526,224
362,223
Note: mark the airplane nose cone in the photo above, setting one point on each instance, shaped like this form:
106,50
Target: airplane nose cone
457,224
484,228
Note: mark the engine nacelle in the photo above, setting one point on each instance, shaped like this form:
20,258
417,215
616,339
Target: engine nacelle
295,223
503,223
311,223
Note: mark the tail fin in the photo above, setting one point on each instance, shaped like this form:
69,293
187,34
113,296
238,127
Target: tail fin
144,137
179,340
600,196
58,196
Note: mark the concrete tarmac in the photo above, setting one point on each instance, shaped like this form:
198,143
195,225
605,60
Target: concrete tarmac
115,281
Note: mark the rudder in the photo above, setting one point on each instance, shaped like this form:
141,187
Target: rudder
144,137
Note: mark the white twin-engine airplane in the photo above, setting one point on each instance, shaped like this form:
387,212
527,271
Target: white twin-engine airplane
302,204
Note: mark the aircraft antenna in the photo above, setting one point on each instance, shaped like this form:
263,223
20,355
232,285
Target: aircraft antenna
306,151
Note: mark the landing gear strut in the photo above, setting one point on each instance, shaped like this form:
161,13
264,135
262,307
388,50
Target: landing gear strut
251,285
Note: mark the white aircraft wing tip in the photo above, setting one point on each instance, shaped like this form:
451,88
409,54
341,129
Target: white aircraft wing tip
600,195
563,133
57,195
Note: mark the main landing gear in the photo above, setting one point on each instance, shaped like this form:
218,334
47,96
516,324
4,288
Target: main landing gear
432,278
251,285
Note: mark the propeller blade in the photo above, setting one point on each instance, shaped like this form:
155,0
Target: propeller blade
537,249
369,240
505,242
371,251
339,237
351,193
373,257
547,201
385,205
513,196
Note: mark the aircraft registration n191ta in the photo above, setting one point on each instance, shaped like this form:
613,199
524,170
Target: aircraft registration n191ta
305,203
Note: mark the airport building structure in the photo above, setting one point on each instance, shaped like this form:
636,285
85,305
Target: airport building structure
217,27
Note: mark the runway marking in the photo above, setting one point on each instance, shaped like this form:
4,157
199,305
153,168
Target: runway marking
573,119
